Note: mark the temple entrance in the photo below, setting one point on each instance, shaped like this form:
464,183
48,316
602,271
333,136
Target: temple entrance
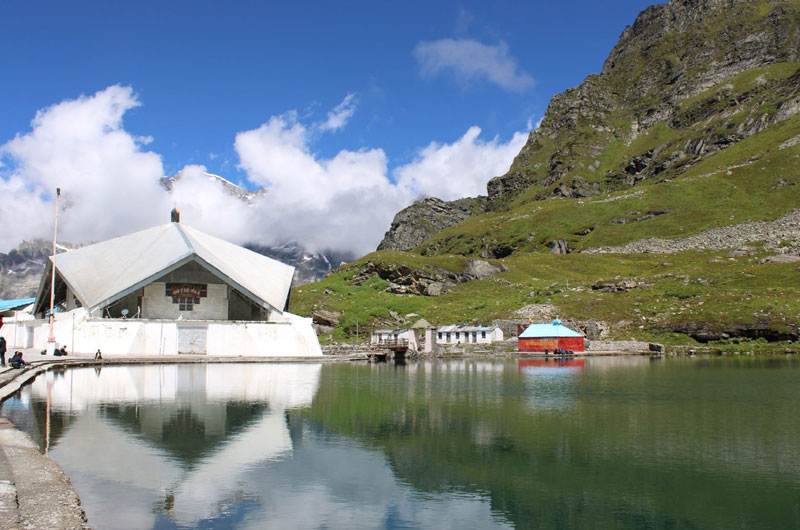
192,338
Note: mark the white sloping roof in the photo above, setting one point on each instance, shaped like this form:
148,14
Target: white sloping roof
106,271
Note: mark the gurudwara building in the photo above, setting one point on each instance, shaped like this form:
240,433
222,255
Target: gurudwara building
167,290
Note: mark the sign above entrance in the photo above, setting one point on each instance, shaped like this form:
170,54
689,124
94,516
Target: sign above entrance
192,290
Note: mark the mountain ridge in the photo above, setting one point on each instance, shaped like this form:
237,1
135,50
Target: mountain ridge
574,152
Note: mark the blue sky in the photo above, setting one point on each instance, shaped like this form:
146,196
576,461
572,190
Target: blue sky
400,78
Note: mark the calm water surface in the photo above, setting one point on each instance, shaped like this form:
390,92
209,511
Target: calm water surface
601,443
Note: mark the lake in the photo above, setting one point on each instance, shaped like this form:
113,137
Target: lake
614,442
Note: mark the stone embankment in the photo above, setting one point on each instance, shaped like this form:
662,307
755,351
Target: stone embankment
783,229
34,491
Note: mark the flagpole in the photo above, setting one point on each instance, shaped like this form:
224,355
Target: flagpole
51,339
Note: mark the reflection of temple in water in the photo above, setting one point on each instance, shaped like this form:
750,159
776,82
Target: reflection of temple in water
180,433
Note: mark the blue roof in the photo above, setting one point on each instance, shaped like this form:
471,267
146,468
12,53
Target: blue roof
538,331
6,305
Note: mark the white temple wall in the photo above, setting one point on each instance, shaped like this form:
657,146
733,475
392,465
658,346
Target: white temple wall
289,336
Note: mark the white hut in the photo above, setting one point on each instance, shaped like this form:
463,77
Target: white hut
394,338
468,334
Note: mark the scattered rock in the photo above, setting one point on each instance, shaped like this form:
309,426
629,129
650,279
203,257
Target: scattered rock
742,251
780,258
537,311
614,286
785,228
323,330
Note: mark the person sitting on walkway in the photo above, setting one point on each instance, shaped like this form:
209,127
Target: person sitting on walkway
60,353
17,361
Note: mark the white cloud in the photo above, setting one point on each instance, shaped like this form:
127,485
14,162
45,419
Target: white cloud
348,201
340,115
468,59
345,202
111,185
204,204
108,182
460,169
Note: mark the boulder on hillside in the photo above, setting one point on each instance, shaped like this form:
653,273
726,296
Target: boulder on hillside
326,318
479,269
558,247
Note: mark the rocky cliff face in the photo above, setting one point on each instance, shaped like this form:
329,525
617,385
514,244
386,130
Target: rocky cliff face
666,60
688,79
426,217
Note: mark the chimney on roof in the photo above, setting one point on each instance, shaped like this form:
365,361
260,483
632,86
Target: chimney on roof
175,215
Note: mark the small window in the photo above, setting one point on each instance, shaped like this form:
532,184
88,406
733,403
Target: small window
440,336
448,337
187,304
483,334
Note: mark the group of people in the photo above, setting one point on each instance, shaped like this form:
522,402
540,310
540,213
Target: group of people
559,351
17,361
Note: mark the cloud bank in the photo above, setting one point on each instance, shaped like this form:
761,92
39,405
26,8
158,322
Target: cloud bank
111,182
468,60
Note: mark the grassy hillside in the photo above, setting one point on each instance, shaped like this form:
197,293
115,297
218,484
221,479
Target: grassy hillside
674,290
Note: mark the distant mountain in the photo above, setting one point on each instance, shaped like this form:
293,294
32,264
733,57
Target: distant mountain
309,266
22,268
232,189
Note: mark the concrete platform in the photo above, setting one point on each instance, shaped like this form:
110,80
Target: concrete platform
34,491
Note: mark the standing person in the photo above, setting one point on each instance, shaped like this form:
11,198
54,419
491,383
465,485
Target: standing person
3,351
98,356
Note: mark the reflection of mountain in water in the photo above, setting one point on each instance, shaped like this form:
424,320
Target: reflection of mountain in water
654,446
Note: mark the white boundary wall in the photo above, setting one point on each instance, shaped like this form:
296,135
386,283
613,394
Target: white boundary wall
287,336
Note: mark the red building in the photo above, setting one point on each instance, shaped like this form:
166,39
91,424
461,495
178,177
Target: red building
550,337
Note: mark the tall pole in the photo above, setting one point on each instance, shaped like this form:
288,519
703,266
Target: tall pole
51,338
